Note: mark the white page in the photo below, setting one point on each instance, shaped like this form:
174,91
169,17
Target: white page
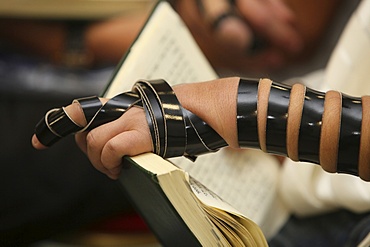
165,50
246,179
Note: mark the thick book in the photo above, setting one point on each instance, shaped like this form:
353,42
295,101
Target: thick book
180,210
247,180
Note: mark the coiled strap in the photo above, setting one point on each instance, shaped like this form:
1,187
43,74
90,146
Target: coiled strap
175,131
329,129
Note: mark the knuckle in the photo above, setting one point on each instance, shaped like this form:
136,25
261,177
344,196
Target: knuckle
111,156
110,148
91,141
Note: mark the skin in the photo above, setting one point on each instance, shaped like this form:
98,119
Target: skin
47,39
283,23
286,27
213,101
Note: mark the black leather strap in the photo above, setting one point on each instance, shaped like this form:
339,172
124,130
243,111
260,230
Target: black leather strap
154,115
173,115
277,118
247,113
310,129
175,131
55,125
112,109
350,134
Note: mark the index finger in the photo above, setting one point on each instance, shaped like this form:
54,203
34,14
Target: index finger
58,123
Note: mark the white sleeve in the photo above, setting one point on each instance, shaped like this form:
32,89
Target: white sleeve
307,189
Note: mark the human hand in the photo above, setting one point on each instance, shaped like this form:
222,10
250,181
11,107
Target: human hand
129,134
232,43
106,145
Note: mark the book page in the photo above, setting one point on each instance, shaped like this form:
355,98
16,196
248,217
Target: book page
166,50
176,187
246,179
210,198
228,217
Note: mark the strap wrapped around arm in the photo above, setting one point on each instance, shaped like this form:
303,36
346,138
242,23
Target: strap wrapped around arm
329,129
306,125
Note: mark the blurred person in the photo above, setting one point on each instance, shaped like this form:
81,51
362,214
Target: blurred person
249,36
245,36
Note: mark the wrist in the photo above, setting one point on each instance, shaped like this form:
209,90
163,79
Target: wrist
214,102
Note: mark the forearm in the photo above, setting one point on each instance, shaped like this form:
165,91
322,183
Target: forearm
303,124
325,128
215,103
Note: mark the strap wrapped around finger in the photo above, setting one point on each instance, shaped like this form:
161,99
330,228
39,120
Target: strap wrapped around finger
175,131
57,123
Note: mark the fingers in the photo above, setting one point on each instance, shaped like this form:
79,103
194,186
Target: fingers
245,27
227,26
75,112
36,143
273,20
107,144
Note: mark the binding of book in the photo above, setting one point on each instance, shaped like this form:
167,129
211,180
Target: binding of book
178,209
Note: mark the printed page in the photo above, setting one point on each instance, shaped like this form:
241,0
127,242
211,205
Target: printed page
246,179
166,50
210,198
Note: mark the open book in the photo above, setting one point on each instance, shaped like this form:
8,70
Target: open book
247,179
180,210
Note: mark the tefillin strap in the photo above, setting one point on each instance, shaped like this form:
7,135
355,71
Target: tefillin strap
329,128
175,131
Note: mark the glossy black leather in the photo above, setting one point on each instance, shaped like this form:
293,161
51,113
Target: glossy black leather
350,133
277,118
175,131
310,129
247,113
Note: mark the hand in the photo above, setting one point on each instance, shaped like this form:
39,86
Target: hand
227,45
212,101
107,144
